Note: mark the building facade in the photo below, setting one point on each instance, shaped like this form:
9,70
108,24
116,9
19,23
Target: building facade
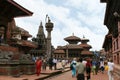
112,39
13,41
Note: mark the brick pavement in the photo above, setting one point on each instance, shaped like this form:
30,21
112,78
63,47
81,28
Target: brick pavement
100,76
67,76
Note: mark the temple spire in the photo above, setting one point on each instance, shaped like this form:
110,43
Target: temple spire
72,34
83,36
40,30
41,23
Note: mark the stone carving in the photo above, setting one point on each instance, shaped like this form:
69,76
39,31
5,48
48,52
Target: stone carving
26,57
6,55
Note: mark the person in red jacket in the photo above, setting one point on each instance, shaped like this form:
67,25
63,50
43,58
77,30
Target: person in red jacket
38,66
88,68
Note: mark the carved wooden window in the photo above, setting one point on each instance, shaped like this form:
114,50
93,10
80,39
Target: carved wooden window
114,46
117,43
119,27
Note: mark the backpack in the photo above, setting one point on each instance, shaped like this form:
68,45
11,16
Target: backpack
71,66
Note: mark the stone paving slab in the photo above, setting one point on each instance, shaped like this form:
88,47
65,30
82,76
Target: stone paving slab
28,77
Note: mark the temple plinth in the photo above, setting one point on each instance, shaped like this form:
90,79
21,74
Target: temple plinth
14,46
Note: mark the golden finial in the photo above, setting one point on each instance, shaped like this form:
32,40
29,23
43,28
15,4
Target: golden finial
72,34
83,36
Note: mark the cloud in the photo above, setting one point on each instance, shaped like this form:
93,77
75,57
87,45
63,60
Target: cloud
82,17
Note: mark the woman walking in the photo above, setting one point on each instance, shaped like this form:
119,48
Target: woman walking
38,66
73,64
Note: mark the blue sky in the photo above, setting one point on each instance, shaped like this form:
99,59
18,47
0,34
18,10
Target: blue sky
81,17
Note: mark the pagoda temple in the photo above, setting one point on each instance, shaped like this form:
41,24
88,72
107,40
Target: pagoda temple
111,43
73,49
14,44
86,47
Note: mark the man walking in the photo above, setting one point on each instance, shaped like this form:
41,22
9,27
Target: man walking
80,69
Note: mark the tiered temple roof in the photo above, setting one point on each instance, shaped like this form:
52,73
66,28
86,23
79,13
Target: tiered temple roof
15,10
73,49
72,39
85,46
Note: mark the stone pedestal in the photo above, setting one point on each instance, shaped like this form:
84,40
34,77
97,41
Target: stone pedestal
27,67
9,68
15,64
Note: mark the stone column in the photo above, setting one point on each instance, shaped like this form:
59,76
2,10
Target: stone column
49,27
67,51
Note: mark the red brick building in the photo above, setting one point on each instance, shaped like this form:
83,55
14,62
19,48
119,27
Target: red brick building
14,45
112,39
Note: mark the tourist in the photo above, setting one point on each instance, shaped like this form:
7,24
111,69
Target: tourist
97,66
63,64
50,63
94,66
33,58
110,69
73,63
80,70
88,69
55,63
44,63
38,66
102,66
84,61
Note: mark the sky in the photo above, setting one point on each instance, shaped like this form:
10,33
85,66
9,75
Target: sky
81,17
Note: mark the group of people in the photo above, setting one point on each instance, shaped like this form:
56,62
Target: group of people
42,63
52,62
80,67
83,68
104,65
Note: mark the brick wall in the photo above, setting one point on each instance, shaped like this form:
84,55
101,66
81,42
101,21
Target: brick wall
8,48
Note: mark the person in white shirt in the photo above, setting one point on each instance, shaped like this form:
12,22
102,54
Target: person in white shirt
84,62
55,63
63,64
102,66
110,69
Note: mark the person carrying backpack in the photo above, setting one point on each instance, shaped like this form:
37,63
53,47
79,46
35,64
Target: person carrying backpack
73,64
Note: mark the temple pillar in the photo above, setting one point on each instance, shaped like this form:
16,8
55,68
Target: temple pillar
49,27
